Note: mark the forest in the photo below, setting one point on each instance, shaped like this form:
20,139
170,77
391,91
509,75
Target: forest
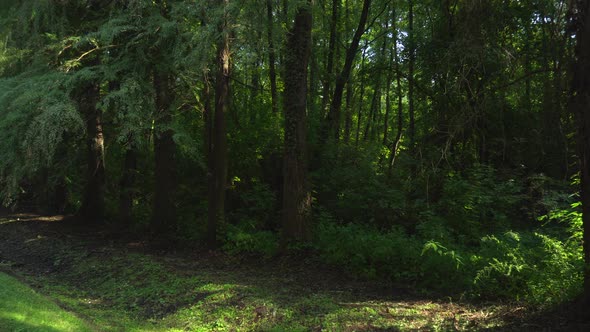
294,165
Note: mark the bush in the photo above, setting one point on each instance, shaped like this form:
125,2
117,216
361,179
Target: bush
369,253
244,238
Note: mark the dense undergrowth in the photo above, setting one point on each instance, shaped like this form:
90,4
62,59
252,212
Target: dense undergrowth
487,235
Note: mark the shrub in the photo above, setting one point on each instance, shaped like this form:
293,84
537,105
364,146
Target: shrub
244,238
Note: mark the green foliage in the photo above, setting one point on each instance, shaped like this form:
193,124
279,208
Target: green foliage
528,266
369,253
479,202
246,239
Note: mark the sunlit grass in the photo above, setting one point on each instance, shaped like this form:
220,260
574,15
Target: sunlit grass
22,309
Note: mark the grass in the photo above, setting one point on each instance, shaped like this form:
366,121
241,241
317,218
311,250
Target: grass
23,309
121,287
138,292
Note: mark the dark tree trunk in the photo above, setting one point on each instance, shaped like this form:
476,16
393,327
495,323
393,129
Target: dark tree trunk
332,126
92,209
579,101
296,195
348,119
412,59
218,153
330,60
164,216
127,185
400,110
272,59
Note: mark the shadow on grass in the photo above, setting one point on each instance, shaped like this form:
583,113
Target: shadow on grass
119,285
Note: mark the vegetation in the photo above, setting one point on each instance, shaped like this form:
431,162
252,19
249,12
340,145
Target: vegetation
441,145
25,310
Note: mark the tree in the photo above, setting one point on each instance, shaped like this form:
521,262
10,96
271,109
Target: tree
579,101
164,215
92,208
296,195
218,151
332,126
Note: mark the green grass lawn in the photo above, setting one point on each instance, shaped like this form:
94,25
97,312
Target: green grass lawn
23,309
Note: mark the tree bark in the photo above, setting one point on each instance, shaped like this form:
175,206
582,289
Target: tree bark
128,180
332,126
272,59
218,154
579,101
330,58
400,110
92,209
296,194
164,216
412,59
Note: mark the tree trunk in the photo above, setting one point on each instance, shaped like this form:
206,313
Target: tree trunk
330,60
296,195
579,101
400,110
127,184
332,126
271,59
92,209
218,153
164,216
412,59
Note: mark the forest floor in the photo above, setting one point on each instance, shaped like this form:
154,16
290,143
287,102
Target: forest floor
115,282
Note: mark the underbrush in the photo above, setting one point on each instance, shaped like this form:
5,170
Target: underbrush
525,266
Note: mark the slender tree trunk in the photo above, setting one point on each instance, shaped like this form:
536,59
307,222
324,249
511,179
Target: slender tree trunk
218,156
361,103
388,98
296,194
400,110
579,101
272,58
164,216
330,58
92,209
332,126
412,59
348,116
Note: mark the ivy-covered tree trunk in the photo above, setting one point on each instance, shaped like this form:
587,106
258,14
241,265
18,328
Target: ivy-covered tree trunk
92,209
296,195
218,150
579,104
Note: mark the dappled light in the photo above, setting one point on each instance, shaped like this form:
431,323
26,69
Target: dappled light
275,165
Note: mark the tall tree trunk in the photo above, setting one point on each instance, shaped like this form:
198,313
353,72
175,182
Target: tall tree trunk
400,111
332,126
127,184
579,101
164,216
218,156
92,209
412,59
296,195
348,115
330,58
271,58
361,103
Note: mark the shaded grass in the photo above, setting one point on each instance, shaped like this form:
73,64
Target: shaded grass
123,287
22,309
